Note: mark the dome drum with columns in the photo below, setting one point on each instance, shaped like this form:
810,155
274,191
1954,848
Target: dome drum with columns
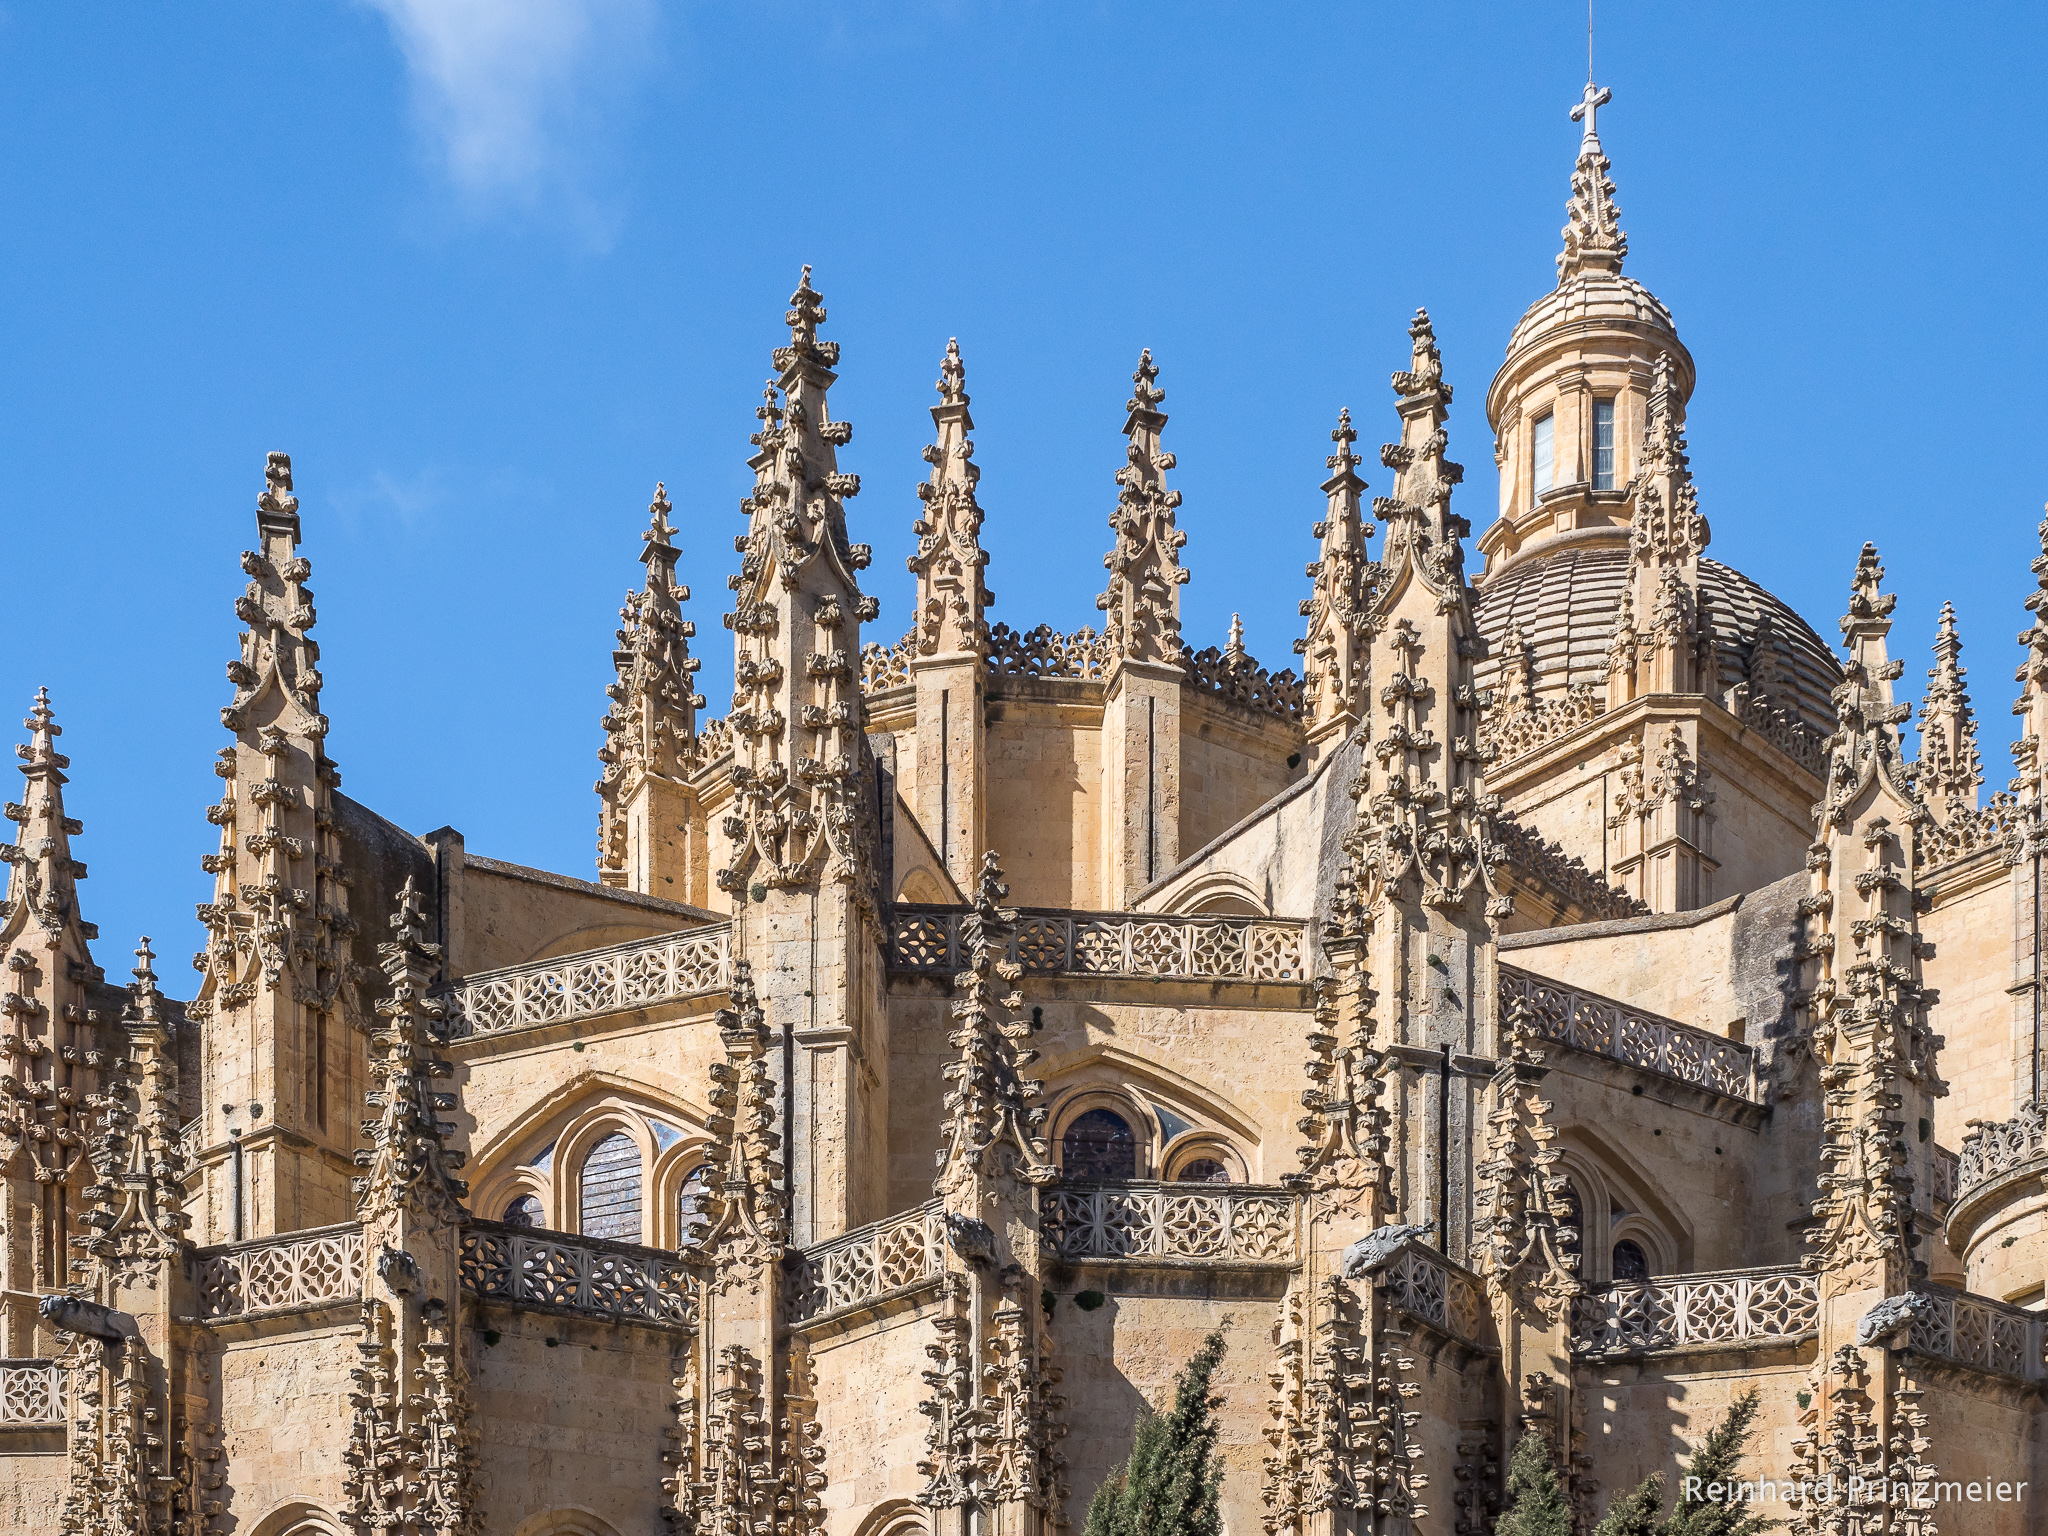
1561,1009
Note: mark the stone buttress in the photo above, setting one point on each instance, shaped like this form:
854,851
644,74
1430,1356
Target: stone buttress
652,836
54,1037
950,633
1141,727
277,985
802,828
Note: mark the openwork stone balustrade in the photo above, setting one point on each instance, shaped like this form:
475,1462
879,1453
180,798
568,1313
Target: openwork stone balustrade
1978,1332
1997,1147
1589,1022
1422,1283
604,1279
1719,1307
597,981
32,1392
870,1261
1112,944
299,1269
1144,1220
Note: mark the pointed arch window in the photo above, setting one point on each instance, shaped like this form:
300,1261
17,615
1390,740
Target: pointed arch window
1631,1264
608,1190
1099,1145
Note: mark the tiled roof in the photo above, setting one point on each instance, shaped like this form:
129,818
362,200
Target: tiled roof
1566,601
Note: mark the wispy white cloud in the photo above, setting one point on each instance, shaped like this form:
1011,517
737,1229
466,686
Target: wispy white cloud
519,99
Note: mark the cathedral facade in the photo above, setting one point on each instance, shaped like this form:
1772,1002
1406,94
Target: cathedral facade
1562,1006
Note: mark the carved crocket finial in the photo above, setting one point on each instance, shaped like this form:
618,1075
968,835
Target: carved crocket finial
1146,394
276,503
1343,435
409,919
991,890
43,730
806,312
952,385
1425,369
659,531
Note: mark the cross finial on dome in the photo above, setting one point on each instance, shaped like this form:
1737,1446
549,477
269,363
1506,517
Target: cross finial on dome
1593,241
1594,98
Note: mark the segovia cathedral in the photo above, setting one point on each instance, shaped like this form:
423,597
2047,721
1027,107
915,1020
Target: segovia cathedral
1561,1007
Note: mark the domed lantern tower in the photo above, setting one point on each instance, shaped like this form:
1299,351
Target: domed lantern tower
1570,405
1655,712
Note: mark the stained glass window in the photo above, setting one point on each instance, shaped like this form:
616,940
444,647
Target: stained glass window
1099,1145
610,1189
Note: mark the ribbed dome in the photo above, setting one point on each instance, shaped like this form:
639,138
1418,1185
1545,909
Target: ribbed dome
1565,601
1592,298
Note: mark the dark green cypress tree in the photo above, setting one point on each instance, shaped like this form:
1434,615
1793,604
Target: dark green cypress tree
1716,1461
1169,1485
1536,1505
1635,1514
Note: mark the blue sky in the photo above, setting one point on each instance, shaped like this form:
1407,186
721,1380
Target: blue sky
488,269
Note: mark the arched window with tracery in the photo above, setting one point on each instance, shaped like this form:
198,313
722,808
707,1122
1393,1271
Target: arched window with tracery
608,1190
1099,1145
1631,1264
523,1211
690,1202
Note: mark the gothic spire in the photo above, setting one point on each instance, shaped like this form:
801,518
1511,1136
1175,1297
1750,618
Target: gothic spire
138,1195
408,1165
1866,743
797,716
1423,534
279,919
1142,601
52,1048
951,595
651,727
1666,535
1867,1009
1666,522
1334,650
42,888
1593,241
1949,769
2030,752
